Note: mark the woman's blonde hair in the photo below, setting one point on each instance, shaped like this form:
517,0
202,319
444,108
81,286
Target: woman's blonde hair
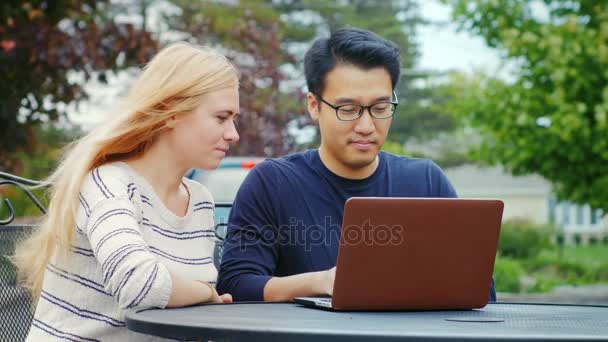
171,85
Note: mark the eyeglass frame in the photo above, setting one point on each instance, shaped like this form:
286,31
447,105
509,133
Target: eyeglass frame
362,108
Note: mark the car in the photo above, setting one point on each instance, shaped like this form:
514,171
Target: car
223,183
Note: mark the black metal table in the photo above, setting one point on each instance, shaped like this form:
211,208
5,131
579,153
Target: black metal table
293,322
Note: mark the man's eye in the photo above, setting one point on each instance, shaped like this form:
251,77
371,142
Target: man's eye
349,109
380,109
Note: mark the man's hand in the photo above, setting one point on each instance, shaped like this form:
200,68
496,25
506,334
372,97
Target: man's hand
318,283
327,278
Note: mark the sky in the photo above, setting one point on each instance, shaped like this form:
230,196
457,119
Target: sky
442,48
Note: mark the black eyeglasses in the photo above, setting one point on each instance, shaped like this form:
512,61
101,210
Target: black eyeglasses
350,112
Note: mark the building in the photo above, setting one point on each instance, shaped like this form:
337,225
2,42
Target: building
529,198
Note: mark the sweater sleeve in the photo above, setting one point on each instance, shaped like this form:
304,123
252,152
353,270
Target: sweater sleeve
131,273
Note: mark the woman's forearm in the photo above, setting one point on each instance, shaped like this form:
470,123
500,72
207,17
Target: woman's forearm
186,292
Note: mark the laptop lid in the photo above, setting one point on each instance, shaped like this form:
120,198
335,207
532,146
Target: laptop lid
416,253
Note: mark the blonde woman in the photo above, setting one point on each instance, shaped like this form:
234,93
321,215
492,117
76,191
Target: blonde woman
124,229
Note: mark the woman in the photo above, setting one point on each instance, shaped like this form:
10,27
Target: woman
124,229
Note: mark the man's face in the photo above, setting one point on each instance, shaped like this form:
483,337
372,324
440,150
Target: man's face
351,146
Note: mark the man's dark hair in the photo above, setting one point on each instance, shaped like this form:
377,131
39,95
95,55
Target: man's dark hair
358,47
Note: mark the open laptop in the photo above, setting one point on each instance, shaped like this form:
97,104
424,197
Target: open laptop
414,254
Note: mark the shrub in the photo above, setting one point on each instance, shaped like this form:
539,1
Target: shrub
544,284
507,274
602,273
519,239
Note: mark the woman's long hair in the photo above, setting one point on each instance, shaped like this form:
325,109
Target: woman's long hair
171,85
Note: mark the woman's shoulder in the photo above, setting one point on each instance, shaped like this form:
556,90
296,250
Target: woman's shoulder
198,191
108,181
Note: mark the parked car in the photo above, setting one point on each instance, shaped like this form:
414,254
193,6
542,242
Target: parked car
223,183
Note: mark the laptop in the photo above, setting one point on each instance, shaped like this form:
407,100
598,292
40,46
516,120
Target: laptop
414,254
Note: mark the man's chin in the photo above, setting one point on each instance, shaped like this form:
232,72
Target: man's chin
362,160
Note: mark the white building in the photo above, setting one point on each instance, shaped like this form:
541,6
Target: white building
529,198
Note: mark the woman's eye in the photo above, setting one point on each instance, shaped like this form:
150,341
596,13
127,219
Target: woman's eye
222,118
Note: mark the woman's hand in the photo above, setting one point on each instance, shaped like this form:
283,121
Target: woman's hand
215,297
225,298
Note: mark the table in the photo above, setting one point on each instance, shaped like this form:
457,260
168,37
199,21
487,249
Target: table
293,322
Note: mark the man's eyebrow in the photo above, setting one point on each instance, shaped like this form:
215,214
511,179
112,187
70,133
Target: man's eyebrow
342,100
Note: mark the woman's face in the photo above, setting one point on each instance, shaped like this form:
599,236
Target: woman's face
202,139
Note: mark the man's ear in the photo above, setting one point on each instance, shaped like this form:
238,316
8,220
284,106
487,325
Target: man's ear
313,106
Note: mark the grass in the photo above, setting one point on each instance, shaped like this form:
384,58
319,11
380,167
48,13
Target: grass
556,266
571,265
587,255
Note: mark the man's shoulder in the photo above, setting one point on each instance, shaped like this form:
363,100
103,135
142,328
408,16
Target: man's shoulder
398,161
291,161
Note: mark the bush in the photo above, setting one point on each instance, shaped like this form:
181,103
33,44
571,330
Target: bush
544,284
602,273
507,274
542,260
521,240
575,273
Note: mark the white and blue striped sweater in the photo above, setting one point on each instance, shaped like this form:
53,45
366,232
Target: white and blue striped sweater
126,242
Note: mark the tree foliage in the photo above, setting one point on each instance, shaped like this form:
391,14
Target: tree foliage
552,118
41,43
275,34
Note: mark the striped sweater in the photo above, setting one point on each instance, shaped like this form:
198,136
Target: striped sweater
126,242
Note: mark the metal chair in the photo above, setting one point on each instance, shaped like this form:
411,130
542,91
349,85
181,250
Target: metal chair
16,310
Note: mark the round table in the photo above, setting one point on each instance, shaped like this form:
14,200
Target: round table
293,322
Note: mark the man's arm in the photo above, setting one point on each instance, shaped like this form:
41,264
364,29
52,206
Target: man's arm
251,249
249,257
280,289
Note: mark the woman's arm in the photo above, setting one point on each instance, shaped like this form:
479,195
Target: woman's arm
189,292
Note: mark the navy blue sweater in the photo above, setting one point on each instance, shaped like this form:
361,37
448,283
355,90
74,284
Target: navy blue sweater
288,213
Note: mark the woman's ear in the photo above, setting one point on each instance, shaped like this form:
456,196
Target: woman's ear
171,122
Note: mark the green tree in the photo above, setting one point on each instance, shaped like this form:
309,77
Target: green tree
551,119
37,163
276,34
250,32
41,42
419,114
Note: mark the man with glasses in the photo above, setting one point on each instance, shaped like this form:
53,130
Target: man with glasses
284,228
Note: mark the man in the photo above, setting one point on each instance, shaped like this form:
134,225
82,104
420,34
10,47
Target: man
282,239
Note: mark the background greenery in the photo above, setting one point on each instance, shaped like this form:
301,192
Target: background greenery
528,262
